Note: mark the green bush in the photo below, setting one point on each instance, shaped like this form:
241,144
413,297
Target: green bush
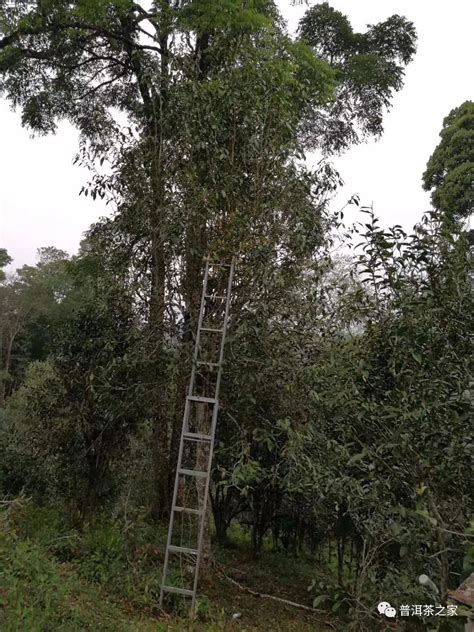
39,594
101,553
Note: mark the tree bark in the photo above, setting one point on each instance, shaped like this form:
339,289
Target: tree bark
160,452
155,113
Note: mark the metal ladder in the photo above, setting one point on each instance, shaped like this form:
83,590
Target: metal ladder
191,487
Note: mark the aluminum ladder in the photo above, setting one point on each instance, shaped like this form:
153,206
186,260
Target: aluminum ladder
191,488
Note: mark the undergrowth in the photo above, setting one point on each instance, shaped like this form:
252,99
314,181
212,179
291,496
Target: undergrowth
55,576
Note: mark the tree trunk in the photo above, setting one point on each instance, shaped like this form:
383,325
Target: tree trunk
160,452
202,463
341,545
222,526
96,475
184,357
155,113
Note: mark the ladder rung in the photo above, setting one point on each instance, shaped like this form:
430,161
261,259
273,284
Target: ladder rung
195,512
202,363
197,473
196,436
182,549
178,591
223,265
212,329
222,298
203,400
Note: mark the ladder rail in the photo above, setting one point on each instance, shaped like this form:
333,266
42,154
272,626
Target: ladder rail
224,330
215,412
198,332
183,429
173,505
202,525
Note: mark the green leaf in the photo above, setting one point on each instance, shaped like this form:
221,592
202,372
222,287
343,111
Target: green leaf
317,601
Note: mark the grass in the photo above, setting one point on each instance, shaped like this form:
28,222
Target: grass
38,593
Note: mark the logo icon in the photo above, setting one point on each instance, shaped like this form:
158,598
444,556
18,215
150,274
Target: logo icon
385,608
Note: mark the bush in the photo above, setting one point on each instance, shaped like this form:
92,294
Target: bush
101,553
37,592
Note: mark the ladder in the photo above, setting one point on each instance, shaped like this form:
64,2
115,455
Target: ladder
188,516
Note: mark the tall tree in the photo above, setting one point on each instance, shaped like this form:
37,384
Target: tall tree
33,302
76,409
222,104
369,68
449,173
11,320
5,260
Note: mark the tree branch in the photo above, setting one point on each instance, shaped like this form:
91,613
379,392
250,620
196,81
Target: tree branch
286,602
15,36
101,85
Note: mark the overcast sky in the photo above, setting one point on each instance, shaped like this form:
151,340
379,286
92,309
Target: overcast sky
39,186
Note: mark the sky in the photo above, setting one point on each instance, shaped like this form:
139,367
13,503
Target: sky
39,185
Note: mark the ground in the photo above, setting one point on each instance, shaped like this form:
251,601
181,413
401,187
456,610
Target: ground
107,576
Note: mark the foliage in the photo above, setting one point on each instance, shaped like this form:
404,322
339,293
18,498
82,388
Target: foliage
5,260
32,308
391,446
38,593
73,412
450,170
354,433
369,67
58,558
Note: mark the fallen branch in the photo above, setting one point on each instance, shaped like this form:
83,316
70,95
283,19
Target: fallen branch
14,502
287,602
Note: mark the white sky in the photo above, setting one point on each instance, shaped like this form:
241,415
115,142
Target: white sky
39,186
